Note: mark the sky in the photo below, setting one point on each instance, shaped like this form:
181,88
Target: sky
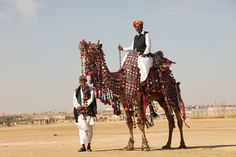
40,61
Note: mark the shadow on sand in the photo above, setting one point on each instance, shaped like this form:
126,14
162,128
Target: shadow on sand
174,148
200,147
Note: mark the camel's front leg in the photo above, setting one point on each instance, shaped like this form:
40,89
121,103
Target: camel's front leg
129,122
141,124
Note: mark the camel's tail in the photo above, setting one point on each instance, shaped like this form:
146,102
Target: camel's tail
182,106
183,112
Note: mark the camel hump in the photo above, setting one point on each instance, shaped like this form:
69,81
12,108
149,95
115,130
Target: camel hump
160,61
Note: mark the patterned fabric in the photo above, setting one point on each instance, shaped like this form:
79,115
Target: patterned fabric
169,89
157,59
131,77
153,80
162,81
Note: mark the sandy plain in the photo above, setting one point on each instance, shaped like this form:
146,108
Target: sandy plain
204,138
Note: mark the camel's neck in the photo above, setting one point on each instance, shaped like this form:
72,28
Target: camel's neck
103,68
106,84
101,77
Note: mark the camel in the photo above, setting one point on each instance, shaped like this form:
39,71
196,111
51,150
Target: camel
123,87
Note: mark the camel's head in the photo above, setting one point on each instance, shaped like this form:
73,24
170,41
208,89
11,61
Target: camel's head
89,53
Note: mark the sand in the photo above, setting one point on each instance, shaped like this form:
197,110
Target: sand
206,137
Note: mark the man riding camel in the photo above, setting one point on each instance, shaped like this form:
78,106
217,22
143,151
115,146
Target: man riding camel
141,44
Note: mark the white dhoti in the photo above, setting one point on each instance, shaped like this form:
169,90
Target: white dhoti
144,64
85,129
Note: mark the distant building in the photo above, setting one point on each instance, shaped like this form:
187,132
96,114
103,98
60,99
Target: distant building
213,111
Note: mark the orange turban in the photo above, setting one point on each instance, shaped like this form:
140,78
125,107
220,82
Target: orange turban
137,23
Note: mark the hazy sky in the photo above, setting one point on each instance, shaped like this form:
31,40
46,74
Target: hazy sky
40,61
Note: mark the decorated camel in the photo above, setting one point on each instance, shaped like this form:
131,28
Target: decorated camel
123,87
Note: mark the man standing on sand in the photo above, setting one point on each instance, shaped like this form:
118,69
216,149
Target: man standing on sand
85,109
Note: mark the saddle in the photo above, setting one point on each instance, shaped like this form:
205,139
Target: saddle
159,74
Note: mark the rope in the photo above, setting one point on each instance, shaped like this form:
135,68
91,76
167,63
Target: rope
81,59
120,56
82,65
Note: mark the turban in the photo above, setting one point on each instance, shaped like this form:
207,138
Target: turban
82,79
137,23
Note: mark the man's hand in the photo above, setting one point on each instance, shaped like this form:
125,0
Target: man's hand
143,55
120,48
80,108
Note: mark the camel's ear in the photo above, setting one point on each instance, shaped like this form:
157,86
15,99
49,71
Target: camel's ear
99,47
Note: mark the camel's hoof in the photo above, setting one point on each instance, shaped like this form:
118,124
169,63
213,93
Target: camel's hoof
130,145
128,148
145,146
166,147
182,146
145,149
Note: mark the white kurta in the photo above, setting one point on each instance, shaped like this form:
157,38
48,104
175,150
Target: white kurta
85,129
144,63
85,125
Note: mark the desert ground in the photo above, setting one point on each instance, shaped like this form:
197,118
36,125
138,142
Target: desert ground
205,137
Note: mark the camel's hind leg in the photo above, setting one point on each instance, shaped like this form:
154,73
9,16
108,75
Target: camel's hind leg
180,125
171,123
144,144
